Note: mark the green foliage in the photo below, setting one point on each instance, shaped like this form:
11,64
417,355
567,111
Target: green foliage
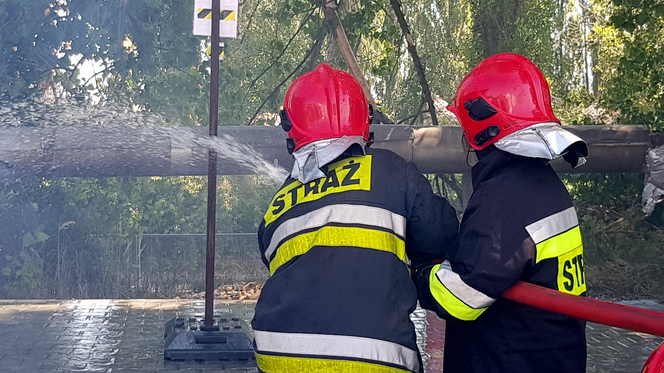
150,60
442,31
533,33
24,271
602,59
636,88
29,239
496,25
97,223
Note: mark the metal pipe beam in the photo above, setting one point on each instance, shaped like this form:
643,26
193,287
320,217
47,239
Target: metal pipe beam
133,151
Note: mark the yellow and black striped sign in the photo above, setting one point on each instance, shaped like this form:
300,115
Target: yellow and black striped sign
226,15
222,51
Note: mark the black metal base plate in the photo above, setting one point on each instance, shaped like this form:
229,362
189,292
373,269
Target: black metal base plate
190,339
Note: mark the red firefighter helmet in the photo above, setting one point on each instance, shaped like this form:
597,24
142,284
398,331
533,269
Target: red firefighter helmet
655,363
324,104
503,94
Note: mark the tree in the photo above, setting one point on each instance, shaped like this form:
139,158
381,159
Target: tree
635,90
602,59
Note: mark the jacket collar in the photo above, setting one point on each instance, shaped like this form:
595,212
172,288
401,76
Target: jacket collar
497,162
312,157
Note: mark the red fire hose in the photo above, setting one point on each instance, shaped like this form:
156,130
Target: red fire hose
626,317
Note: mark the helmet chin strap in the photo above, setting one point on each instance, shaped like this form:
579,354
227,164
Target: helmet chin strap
290,145
470,160
286,124
484,152
576,155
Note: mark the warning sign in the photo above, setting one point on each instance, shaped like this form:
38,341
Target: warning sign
226,15
203,18
222,51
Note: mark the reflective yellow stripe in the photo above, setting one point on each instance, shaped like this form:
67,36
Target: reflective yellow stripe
340,347
571,272
338,236
341,214
287,364
559,245
449,302
470,296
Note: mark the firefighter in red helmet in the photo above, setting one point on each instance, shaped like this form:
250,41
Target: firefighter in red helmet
338,238
519,225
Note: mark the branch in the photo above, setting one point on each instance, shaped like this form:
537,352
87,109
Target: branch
346,51
441,190
180,69
405,30
315,54
419,111
251,17
95,75
453,184
319,39
414,116
73,70
332,17
253,82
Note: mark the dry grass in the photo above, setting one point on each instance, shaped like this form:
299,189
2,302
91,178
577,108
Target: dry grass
243,291
624,251
621,280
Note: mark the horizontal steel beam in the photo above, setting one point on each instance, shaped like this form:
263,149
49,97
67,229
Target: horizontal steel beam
612,149
134,151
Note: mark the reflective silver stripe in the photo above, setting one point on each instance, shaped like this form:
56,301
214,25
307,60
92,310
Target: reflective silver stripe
467,294
337,346
544,140
342,213
553,225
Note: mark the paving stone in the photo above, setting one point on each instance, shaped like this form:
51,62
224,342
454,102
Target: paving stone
127,336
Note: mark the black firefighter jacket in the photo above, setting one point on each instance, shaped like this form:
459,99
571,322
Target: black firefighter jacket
519,225
338,249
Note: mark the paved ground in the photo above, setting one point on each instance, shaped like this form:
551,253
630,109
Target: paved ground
99,335
127,336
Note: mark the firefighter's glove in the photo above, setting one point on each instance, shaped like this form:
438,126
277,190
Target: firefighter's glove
419,270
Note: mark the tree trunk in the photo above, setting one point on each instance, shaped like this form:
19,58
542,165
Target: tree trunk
315,55
412,49
331,51
347,52
495,24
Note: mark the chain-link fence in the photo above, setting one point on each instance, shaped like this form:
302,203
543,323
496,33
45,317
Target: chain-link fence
168,265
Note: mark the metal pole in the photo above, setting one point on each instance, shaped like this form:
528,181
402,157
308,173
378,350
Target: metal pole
212,166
